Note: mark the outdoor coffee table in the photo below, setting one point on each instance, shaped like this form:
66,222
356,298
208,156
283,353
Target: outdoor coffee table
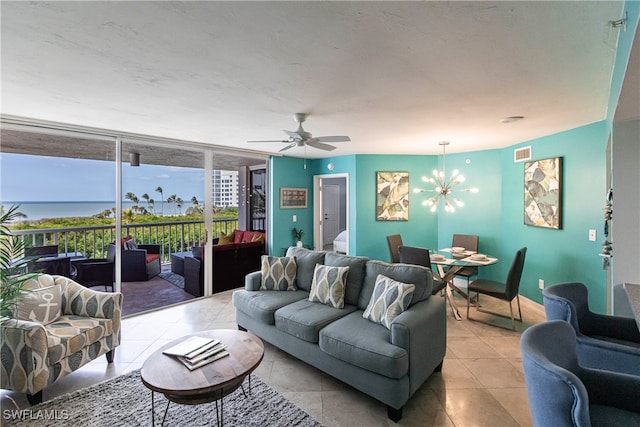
167,375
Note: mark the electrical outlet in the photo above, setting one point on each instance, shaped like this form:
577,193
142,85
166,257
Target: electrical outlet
541,283
592,235
295,218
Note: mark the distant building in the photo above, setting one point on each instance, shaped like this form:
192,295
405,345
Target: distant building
225,188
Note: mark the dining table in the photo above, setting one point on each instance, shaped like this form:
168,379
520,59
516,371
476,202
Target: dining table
455,260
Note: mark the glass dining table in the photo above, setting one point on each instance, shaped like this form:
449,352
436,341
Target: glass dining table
455,261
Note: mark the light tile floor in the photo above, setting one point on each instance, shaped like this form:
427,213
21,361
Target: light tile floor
481,383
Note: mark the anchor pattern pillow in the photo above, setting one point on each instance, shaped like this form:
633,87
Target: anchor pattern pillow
328,285
389,299
42,305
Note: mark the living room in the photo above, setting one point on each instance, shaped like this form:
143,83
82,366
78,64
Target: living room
495,213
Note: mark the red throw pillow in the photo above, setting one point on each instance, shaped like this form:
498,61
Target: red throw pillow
238,236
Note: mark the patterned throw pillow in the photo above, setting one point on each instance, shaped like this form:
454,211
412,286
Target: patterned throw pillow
42,305
225,239
278,274
389,299
328,285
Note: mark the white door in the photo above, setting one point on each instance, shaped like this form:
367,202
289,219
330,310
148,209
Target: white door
330,214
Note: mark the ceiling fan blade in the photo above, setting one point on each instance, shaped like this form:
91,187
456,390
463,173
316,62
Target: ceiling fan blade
293,144
279,140
336,138
320,145
293,134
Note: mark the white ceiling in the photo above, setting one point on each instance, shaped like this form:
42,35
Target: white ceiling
397,77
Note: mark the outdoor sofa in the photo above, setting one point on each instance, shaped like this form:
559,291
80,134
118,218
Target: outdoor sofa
389,363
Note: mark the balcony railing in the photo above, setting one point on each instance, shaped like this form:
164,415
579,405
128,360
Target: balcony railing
93,241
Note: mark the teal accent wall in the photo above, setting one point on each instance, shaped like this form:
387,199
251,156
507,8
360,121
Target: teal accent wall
495,214
289,172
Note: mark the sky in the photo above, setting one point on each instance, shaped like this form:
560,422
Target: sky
25,178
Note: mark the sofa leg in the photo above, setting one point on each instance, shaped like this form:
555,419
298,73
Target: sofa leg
242,328
109,355
439,367
34,399
394,414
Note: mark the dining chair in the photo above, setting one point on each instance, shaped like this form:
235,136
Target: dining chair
470,243
60,266
506,291
563,393
421,256
394,241
41,251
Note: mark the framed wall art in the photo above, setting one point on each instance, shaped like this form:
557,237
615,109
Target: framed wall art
293,198
543,193
392,196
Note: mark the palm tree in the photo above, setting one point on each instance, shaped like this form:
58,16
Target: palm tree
170,200
159,190
179,203
149,201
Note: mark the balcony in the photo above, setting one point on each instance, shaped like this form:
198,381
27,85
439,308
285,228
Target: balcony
93,241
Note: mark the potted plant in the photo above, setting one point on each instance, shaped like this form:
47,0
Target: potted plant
297,233
12,264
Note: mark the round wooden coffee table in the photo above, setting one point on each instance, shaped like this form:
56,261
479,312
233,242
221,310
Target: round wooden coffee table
167,375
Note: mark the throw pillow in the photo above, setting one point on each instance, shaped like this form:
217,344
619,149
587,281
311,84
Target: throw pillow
131,244
257,238
42,305
389,299
328,285
225,238
278,273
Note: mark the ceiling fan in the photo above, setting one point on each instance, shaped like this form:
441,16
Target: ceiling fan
302,138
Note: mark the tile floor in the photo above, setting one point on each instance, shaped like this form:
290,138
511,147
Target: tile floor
481,384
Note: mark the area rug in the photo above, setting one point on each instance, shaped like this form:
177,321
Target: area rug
173,278
125,401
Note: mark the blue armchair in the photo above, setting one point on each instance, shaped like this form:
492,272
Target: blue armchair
563,393
604,342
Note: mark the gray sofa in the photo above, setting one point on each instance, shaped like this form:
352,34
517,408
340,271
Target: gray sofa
388,364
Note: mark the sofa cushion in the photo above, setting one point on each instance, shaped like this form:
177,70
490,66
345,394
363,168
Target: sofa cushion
389,299
417,275
278,273
328,285
70,334
355,278
306,261
304,319
261,305
359,342
43,305
152,257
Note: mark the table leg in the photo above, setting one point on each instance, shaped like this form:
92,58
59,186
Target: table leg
448,279
153,410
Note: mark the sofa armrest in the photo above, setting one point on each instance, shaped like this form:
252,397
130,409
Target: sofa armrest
252,281
422,331
24,356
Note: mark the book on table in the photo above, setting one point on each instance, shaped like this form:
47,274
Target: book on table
195,352
191,346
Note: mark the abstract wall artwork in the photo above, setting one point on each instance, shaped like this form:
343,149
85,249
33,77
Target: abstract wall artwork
392,196
543,193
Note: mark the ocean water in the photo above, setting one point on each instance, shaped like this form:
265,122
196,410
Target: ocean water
40,210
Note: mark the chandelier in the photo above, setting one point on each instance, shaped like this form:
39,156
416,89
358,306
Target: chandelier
444,188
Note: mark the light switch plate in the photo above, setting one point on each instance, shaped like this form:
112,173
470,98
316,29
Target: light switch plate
592,235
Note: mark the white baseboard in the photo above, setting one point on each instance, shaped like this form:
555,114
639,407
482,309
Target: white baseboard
532,306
